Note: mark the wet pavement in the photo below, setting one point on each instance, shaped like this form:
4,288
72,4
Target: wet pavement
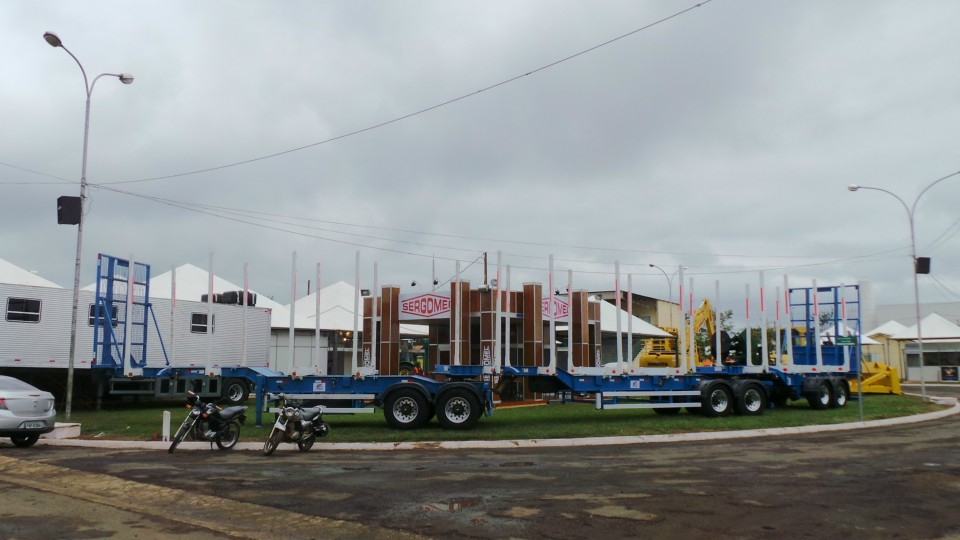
894,482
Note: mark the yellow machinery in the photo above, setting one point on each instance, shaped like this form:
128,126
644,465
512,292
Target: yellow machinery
664,352
877,378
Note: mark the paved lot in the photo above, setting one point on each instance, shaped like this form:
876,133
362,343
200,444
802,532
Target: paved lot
900,482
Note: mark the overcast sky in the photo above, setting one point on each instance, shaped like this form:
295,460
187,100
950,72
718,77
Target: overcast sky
722,139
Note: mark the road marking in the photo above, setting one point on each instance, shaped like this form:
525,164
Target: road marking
233,518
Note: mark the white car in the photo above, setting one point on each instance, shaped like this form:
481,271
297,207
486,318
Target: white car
25,412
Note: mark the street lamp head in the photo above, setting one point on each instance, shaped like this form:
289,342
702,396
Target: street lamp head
651,265
126,78
853,187
52,39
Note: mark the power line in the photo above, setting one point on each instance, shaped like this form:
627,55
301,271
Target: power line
202,209
944,286
31,171
496,241
419,112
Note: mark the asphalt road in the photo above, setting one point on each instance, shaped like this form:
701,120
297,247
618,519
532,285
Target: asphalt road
899,482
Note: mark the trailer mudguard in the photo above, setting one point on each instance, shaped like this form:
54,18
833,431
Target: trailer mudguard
401,385
451,385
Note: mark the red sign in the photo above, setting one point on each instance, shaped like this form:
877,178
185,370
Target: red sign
424,306
561,309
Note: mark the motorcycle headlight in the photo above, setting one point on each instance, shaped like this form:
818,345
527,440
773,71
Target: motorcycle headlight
289,412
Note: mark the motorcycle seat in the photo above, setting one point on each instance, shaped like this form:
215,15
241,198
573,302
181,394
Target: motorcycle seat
312,412
232,412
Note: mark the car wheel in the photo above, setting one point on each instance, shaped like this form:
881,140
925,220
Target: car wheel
25,441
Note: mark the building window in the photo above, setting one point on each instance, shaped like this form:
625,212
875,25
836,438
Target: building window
23,310
198,323
113,315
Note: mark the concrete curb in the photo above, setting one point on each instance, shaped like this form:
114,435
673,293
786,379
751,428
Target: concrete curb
533,443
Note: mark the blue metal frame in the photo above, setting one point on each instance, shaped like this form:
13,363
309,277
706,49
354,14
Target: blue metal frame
112,347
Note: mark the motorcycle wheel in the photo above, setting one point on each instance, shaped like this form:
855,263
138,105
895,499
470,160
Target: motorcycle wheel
179,436
272,442
305,442
228,436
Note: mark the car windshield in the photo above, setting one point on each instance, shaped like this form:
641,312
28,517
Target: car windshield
15,385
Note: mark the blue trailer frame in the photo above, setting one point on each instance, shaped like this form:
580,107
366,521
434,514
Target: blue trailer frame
460,394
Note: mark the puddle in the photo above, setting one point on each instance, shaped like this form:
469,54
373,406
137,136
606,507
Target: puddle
453,505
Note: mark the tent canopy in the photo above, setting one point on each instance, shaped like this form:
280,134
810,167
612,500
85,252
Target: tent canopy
336,312
932,327
14,275
608,322
888,328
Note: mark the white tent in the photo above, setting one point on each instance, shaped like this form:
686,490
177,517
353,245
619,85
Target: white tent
336,312
933,328
192,284
608,322
14,275
889,328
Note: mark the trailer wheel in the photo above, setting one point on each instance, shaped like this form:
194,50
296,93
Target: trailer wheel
822,397
841,394
751,400
717,400
235,391
406,409
458,409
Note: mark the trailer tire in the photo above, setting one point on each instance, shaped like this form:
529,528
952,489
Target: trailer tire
235,391
841,394
822,397
406,408
717,400
458,408
751,400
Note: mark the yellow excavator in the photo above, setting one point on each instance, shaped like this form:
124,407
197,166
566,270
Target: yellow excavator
875,378
665,352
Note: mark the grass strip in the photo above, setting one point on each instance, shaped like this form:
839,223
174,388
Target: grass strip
127,421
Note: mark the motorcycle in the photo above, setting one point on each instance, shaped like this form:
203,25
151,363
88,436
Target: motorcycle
208,422
295,424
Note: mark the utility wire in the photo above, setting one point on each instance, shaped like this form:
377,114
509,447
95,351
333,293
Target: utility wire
944,286
419,112
200,209
31,171
252,214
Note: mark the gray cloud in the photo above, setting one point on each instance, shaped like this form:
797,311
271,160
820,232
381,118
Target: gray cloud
730,131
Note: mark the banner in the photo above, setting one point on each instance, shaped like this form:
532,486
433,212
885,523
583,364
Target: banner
424,306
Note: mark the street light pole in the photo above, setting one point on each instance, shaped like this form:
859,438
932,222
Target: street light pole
911,212
669,287
125,78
